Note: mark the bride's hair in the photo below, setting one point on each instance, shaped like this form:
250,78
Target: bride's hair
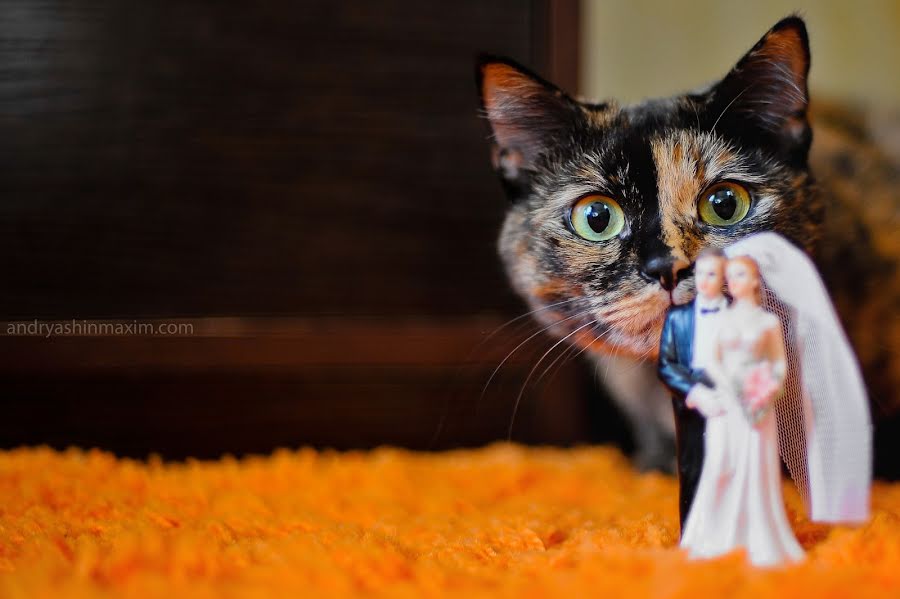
753,267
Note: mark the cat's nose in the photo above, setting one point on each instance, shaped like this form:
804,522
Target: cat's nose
667,271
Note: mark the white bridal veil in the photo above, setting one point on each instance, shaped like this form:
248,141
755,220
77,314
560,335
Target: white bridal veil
824,428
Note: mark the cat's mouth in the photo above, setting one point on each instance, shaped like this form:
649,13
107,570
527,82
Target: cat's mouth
635,325
631,327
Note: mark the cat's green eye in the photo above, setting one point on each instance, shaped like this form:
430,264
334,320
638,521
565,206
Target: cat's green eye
724,204
597,218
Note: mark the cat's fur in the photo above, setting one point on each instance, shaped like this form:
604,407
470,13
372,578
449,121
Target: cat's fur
654,158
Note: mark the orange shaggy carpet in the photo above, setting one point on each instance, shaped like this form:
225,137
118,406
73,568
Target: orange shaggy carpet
501,521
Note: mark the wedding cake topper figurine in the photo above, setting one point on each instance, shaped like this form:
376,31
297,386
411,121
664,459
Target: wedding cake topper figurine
769,374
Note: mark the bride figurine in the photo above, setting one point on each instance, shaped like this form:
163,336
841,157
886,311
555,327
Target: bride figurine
803,399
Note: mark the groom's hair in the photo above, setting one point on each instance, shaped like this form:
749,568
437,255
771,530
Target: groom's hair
707,253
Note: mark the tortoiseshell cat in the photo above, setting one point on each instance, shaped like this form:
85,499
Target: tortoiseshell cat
610,205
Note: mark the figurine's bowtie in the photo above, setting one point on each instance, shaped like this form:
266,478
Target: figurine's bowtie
708,310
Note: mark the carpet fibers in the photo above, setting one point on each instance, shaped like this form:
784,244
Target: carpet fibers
503,521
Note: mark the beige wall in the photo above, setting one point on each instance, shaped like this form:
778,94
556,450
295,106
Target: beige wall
633,49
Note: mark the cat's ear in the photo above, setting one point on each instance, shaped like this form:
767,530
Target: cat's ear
765,96
527,116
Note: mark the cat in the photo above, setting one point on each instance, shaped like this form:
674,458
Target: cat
610,204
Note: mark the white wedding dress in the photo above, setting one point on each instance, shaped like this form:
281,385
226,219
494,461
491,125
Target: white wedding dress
738,502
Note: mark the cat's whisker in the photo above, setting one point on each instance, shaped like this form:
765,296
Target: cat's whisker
531,330
569,356
518,318
639,359
614,353
586,347
724,110
519,346
465,362
569,349
595,340
512,419
696,114
571,353
572,356
440,425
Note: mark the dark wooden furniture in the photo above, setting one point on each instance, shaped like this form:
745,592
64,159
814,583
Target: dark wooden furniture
306,183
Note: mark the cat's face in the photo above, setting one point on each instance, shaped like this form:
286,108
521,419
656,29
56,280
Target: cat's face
611,204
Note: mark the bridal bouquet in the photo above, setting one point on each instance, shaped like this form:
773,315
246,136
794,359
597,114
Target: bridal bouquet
761,388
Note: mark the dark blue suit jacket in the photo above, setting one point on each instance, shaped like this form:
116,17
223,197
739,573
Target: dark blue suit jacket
676,349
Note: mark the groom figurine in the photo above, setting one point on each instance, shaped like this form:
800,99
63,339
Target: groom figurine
685,348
